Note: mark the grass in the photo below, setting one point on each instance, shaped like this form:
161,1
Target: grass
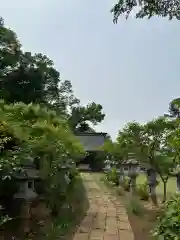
171,184
134,206
113,187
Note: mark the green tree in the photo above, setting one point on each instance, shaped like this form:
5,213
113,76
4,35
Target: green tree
123,145
128,141
32,78
9,49
82,116
156,148
173,141
147,8
174,108
109,149
149,144
35,80
36,132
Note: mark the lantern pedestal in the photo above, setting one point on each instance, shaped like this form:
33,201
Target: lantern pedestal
26,193
121,176
26,216
107,163
121,179
25,196
133,177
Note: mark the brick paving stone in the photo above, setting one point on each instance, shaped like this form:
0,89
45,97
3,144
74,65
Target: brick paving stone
111,237
96,238
127,235
124,226
81,236
123,218
99,225
96,234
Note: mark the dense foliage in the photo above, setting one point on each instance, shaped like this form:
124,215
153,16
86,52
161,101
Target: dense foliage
169,223
36,132
147,8
112,176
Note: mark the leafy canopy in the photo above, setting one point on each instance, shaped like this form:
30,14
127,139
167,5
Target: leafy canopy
147,8
36,132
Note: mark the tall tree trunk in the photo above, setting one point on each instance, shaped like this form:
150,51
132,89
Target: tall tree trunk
164,190
153,194
178,183
152,182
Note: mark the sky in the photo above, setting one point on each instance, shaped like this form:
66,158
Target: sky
131,68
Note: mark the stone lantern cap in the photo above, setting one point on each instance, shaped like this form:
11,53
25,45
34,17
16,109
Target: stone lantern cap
130,162
28,172
67,165
107,161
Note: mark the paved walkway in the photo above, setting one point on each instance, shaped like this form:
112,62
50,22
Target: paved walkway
106,218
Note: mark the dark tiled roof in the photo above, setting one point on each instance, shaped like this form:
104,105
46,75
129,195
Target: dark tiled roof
91,141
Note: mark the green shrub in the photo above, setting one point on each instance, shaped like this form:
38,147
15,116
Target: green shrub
143,191
73,173
168,225
106,181
72,216
36,132
126,184
112,176
134,206
103,178
4,219
119,190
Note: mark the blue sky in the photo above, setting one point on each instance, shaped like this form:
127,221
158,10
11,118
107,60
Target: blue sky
131,68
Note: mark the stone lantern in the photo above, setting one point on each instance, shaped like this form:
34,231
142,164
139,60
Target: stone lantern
107,164
64,181
122,172
26,193
133,171
64,170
